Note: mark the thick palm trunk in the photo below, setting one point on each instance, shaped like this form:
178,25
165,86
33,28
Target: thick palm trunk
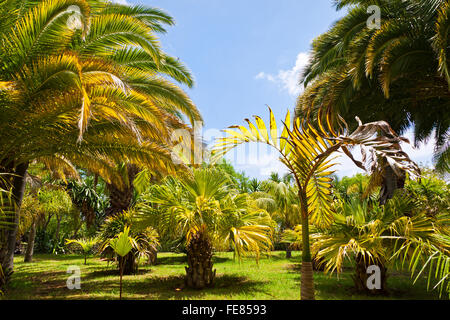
129,264
307,273
120,198
119,201
288,251
18,190
30,245
361,276
200,273
153,258
390,183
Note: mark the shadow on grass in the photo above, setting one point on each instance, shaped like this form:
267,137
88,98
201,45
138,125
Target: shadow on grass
53,285
182,259
179,259
172,287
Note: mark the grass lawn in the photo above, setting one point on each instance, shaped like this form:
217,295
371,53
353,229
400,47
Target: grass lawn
274,278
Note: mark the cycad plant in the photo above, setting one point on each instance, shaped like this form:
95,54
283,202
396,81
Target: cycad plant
87,245
121,245
306,151
207,213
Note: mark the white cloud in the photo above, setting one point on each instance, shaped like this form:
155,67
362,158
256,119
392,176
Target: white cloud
120,2
288,79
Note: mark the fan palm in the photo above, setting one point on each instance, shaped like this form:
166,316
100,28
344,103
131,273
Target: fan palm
87,245
433,255
122,244
394,72
146,240
368,234
306,151
207,213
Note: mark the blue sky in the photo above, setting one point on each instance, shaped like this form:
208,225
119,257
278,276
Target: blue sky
245,55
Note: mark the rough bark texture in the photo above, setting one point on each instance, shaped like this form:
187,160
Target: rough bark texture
30,242
120,198
361,275
390,183
129,265
8,249
119,201
307,281
288,251
153,258
200,273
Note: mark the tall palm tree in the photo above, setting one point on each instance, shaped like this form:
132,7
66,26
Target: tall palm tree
395,72
207,213
306,151
87,90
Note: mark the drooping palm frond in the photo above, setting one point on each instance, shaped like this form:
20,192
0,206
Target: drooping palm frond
388,73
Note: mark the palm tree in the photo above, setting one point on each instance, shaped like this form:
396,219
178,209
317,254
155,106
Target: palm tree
89,94
87,200
122,245
433,255
87,245
208,214
306,151
368,234
146,240
394,72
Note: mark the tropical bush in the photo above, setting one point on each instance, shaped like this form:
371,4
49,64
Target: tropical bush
87,246
121,244
306,149
204,211
146,240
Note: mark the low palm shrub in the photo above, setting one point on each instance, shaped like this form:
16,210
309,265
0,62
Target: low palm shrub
87,245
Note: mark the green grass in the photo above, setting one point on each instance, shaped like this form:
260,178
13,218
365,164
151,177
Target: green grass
274,278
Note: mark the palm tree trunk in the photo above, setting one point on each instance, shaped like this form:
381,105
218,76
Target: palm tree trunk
121,274
30,245
361,276
129,264
120,198
288,251
199,273
18,190
307,273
